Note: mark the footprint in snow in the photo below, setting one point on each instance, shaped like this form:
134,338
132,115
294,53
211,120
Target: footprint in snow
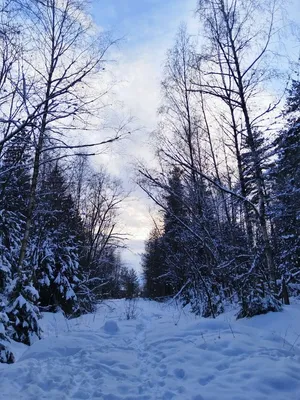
81,394
168,395
198,397
179,373
159,356
180,389
98,394
205,380
162,370
222,367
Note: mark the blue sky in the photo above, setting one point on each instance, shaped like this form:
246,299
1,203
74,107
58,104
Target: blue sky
147,29
141,20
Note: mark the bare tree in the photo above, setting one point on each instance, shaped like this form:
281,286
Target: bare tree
11,82
234,71
99,210
63,56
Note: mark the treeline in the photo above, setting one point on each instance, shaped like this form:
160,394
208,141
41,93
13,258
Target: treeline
58,216
228,182
72,256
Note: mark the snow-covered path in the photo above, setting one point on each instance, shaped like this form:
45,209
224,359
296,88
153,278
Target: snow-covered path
162,354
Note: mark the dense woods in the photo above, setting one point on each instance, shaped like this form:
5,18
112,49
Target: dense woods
59,241
229,155
227,182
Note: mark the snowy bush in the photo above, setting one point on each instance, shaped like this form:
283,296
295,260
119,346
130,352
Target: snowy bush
254,304
6,356
131,308
24,315
205,302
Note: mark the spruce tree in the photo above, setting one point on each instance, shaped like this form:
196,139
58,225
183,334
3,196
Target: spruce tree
14,188
19,296
175,235
23,311
287,195
6,356
130,283
154,268
55,245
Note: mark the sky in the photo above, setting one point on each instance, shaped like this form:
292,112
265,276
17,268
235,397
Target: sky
147,29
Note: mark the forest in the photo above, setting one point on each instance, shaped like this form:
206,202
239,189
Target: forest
225,181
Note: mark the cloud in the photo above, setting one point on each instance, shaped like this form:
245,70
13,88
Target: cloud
149,27
150,31
131,256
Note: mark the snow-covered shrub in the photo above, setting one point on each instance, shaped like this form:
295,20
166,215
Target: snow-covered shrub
6,356
256,304
87,300
131,308
24,314
205,302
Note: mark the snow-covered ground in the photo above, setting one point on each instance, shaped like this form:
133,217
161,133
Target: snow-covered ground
162,354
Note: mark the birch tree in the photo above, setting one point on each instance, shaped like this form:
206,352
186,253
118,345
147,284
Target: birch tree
235,72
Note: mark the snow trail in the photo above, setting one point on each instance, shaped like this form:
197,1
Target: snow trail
159,356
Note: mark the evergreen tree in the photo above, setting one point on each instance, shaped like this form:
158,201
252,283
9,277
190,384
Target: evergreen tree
14,175
14,189
23,311
153,263
55,245
130,282
19,295
6,356
175,235
287,196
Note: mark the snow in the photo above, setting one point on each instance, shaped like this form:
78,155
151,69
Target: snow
30,289
163,354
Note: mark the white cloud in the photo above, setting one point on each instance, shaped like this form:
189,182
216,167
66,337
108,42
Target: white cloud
138,73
